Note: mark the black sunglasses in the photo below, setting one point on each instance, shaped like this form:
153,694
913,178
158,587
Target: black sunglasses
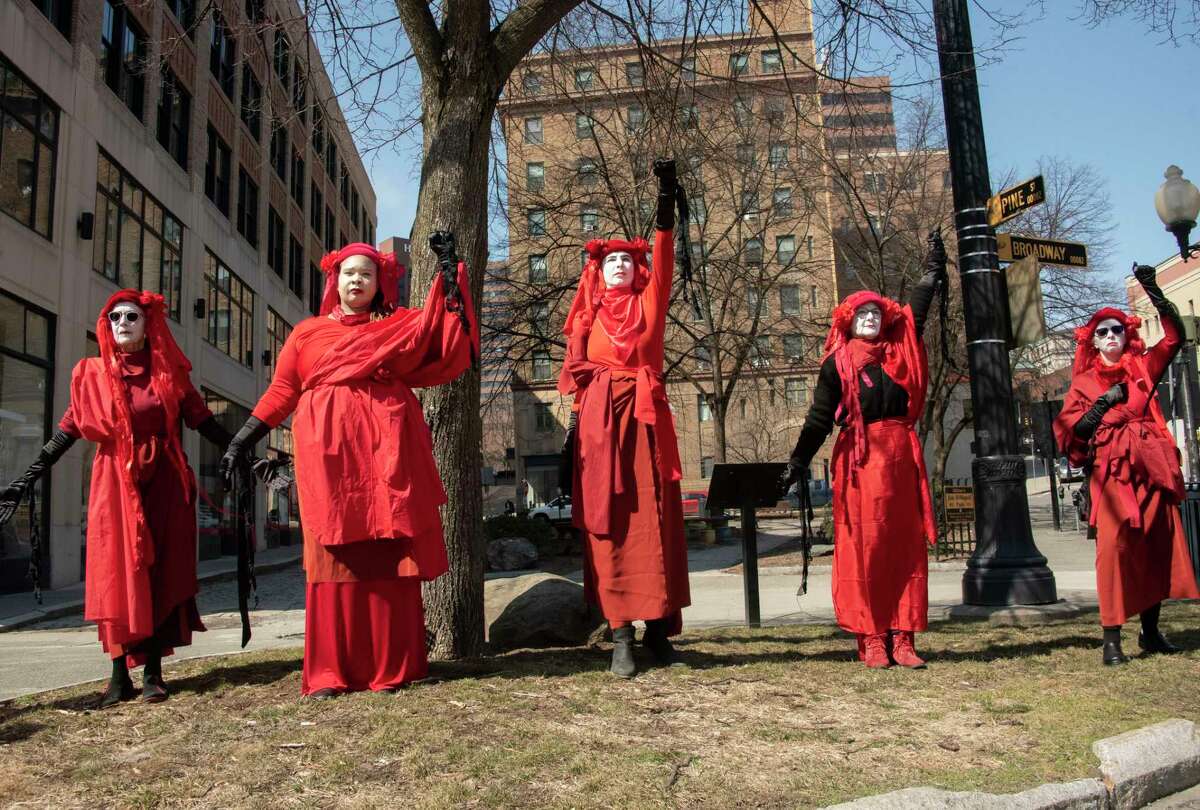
129,315
1102,331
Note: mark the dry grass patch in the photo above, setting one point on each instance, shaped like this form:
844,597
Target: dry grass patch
778,717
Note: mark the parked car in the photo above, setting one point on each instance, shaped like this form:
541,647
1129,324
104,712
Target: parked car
557,509
819,494
695,503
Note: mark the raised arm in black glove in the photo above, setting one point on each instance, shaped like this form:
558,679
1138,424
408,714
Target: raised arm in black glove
932,280
10,497
566,462
443,246
240,449
1145,274
668,182
1087,424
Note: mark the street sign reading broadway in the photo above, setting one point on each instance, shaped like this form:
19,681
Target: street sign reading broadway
1047,251
1010,202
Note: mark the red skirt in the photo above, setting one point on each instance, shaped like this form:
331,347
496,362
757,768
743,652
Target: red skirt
363,635
1138,568
880,565
640,570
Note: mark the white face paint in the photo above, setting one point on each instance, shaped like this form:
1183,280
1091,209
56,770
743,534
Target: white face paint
1110,345
128,323
357,283
867,320
618,270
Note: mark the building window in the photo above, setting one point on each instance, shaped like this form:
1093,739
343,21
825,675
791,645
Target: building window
538,272
785,249
703,358
703,411
300,92
745,155
698,210
635,118
584,126
28,151
743,113
345,185
543,417
774,110
539,317
585,77
137,244
536,218
754,301
256,11
749,206
283,58
687,68
220,514
251,112
331,157
218,171
635,74
58,12
123,55
781,200
275,237
277,334
793,347
589,219
318,132
588,171
533,129
752,251
812,296
689,116
535,176
330,230
789,299
295,268
247,207
354,206
808,246
230,311
298,178
777,155
221,55
532,83
795,392
174,117
738,63
874,182
317,205
316,289
771,63
706,466
279,150
541,365
760,351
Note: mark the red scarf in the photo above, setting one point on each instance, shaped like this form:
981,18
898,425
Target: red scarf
623,320
349,318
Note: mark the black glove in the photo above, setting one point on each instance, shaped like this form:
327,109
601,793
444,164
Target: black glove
443,246
237,455
1087,424
1146,275
214,432
795,471
668,182
566,462
269,470
52,451
935,260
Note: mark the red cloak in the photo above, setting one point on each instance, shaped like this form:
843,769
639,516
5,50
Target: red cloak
1136,483
627,469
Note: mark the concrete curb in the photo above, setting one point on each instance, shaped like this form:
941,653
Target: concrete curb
75,606
1137,767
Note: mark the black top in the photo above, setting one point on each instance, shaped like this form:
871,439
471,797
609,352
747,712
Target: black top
883,399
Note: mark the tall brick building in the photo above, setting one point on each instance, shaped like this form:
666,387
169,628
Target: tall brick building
203,158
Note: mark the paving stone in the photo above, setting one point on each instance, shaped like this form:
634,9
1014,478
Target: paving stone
1149,763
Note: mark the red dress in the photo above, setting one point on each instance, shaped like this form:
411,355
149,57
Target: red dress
1136,484
627,470
368,487
128,600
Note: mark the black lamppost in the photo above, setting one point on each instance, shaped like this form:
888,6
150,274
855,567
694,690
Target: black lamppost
1006,567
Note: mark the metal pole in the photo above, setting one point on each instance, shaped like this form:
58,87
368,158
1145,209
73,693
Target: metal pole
1007,567
750,561
1189,417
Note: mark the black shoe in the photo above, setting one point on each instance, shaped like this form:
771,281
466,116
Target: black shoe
1156,642
656,641
117,692
154,690
623,665
328,693
1113,654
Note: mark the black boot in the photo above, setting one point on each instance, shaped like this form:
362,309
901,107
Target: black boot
120,685
656,641
1112,647
1151,639
154,690
623,665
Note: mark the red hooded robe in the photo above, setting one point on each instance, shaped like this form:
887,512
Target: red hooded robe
1136,483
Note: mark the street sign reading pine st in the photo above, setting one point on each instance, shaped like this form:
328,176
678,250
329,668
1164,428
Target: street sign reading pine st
1012,201
1011,248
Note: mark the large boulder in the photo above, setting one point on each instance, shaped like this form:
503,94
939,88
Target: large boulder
511,554
537,610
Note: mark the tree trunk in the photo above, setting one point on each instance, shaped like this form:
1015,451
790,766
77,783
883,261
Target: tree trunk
720,409
453,196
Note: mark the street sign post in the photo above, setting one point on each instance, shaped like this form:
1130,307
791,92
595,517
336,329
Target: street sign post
1012,201
1047,251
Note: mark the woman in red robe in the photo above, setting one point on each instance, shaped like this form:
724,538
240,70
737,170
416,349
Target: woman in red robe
872,383
140,585
621,447
1111,424
369,489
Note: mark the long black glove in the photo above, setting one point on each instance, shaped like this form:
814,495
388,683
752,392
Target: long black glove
240,447
933,279
444,248
566,461
265,469
51,452
1145,274
1087,424
214,432
668,182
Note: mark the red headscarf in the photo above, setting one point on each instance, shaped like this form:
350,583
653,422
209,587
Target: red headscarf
619,310
388,284
1086,352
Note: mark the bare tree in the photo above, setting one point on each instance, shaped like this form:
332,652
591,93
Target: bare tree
1177,21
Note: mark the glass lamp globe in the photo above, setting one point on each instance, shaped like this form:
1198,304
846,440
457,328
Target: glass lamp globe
1178,204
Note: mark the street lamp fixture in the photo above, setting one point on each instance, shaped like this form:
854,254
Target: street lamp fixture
1178,204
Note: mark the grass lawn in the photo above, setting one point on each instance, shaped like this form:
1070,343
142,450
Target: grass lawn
778,717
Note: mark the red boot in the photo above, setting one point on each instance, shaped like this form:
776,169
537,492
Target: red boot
875,654
902,650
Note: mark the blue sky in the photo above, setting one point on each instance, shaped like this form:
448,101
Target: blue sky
1115,97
